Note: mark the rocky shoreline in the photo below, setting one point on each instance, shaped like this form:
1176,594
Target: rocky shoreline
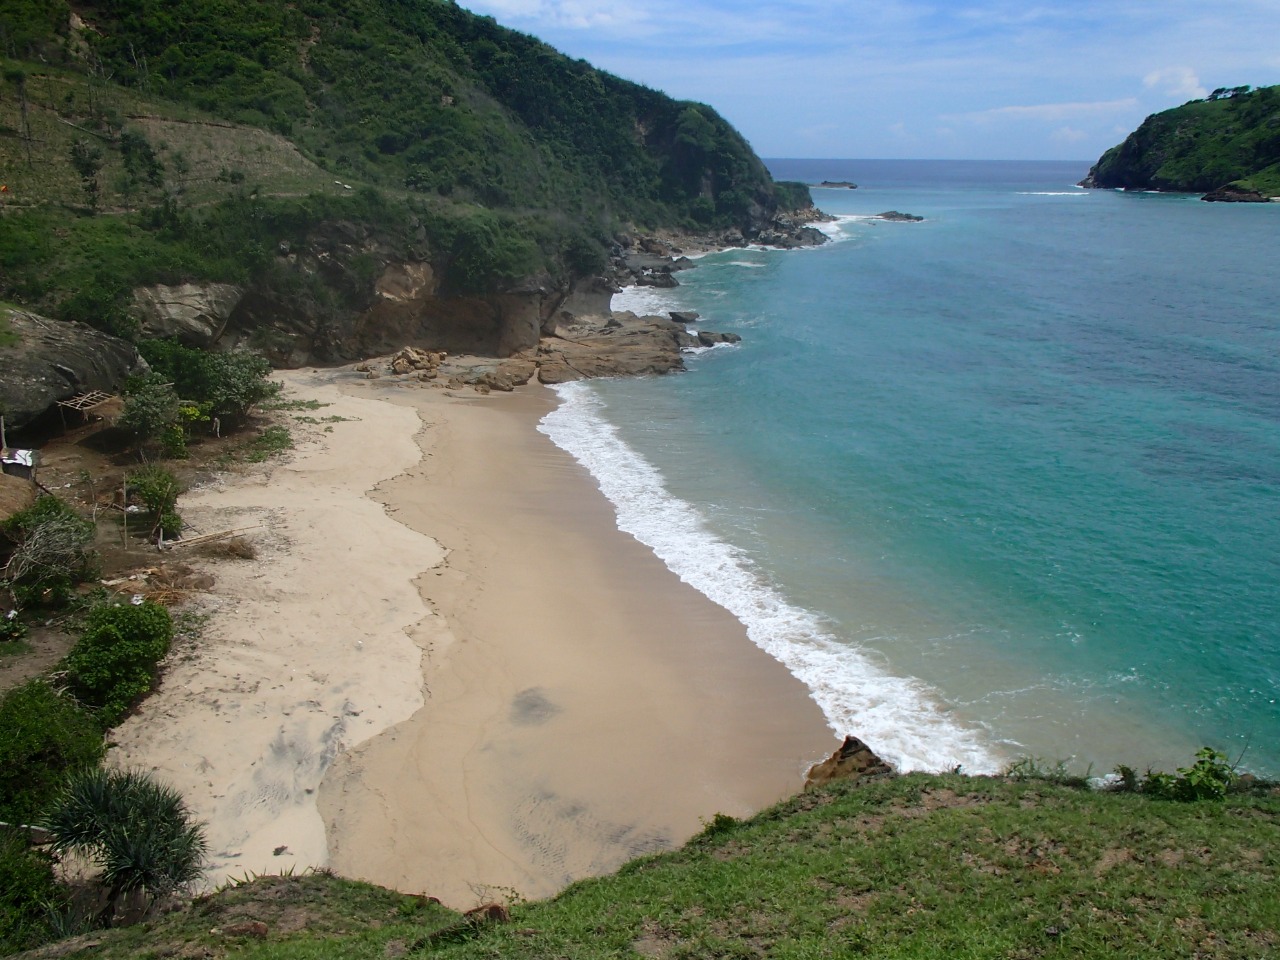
493,342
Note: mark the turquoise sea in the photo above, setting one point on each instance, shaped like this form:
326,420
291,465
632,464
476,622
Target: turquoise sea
1003,482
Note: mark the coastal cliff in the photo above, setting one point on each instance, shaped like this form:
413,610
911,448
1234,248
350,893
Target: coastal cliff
335,180
1226,146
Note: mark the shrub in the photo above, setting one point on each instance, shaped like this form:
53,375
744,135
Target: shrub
114,662
27,891
151,407
43,737
1209,778
138,829
224,385
50,552
156,487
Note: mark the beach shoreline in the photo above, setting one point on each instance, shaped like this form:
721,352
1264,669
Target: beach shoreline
451,673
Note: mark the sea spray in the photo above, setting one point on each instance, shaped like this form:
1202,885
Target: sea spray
901,718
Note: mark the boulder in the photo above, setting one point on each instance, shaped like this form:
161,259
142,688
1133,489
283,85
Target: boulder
56,360
1233,194
853,760
194,313
685,316
709,338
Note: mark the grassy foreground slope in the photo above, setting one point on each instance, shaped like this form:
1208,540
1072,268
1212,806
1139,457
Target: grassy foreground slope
1201,146
910,867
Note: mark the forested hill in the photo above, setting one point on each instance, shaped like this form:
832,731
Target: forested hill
201,135
1228,143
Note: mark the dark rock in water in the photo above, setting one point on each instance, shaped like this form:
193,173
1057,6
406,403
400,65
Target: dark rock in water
709,338
852,761
897,217
1233,194
845,184
684,316
55,360
657,279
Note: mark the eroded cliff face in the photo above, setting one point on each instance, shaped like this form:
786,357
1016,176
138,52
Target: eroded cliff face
348,293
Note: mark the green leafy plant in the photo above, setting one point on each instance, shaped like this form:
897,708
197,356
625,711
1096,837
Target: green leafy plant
51,552
43,736
114,662
1209,778
156,487
11,627
137,829
28,889
151,408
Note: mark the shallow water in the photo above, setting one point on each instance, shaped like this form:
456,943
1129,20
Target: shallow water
1005,481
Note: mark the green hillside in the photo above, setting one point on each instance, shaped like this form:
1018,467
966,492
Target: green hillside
917,867
164,142
1233,137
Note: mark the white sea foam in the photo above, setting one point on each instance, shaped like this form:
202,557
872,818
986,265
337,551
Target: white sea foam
1052,193
901,718
645,301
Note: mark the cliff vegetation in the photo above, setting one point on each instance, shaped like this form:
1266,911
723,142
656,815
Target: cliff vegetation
1229,140
295,150
907,867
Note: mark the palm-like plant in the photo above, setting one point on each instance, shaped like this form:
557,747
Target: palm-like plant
138,829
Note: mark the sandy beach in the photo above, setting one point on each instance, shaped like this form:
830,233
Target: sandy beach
448,672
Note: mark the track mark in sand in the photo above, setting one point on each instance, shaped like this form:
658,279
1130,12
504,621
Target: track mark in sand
531,708
563,838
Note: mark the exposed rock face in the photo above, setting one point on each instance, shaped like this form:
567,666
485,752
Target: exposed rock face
895,216
1234,194
194,313
853,760
56,360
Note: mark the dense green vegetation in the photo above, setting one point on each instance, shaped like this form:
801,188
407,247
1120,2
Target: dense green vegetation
910,867
1231,138
190,140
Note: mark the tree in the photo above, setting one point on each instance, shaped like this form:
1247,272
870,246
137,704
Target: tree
138,829
151,407
87,159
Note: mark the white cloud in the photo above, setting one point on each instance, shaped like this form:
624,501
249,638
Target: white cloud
1050,112
1176,82
1068,135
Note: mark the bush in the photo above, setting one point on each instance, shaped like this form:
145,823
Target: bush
27,891
151,408
1209,778
138,829
156,487
114,662
50,552
224,385
43,737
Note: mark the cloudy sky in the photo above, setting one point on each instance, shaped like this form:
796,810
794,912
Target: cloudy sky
960,79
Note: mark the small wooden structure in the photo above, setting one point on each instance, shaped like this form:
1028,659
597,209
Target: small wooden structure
86,403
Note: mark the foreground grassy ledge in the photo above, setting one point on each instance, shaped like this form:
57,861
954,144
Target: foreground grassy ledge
916,866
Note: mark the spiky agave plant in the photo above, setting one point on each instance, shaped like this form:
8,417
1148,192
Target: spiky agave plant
136,828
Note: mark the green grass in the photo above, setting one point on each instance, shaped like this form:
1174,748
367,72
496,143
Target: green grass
273,441
7,337
913,867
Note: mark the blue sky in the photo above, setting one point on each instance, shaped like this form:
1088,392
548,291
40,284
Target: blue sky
980,79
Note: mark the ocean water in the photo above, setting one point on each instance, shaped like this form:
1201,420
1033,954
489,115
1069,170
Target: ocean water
1004,482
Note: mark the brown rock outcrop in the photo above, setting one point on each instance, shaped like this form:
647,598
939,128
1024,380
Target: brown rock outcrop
853,760
195,313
